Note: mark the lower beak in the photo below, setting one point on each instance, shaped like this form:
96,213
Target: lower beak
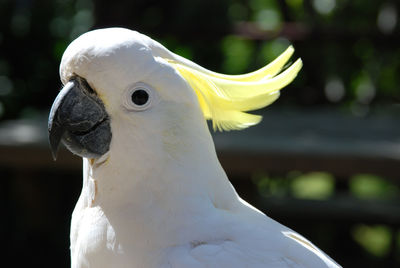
79,120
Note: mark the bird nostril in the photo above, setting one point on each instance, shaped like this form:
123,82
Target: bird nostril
86,86
83,84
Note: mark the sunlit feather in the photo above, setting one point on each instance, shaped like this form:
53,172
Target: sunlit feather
225,98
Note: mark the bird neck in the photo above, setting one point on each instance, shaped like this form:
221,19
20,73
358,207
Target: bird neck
159,203
188,180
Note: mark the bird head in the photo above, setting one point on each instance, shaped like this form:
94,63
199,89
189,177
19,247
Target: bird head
124,92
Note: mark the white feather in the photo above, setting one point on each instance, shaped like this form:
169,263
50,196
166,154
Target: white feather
159,197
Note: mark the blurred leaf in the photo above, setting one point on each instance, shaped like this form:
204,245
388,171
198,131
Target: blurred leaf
266,14
353,41
272,49
387,18
297,4
59,48
257,5
237,12
324,7
184,51
237,54
60,27
374,239
314,185
268,19
364,88
83,21
268,186
297,8
371,186
334,89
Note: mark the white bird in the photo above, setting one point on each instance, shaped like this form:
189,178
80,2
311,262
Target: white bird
154,193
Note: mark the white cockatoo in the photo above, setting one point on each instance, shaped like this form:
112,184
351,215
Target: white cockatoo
154,193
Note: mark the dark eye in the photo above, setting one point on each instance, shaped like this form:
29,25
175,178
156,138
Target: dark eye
140,97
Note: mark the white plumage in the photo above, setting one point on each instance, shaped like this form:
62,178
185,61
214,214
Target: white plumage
159,197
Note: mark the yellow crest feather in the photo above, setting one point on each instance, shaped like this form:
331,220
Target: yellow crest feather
225,99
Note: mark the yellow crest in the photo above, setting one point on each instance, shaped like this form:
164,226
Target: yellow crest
225,99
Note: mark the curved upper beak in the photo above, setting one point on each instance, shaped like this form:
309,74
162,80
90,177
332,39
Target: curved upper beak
79,119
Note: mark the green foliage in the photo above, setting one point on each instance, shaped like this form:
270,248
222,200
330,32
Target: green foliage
368,186
270,50
238,54
33,36
266,14
313,185
376,240
350,49
321,185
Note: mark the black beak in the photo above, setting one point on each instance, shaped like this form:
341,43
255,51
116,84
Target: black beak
79,119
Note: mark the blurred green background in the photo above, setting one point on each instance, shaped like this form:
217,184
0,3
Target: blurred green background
351,55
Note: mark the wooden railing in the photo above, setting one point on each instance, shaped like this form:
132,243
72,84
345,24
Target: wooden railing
286,140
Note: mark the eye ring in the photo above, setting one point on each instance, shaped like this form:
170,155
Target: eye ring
139,97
